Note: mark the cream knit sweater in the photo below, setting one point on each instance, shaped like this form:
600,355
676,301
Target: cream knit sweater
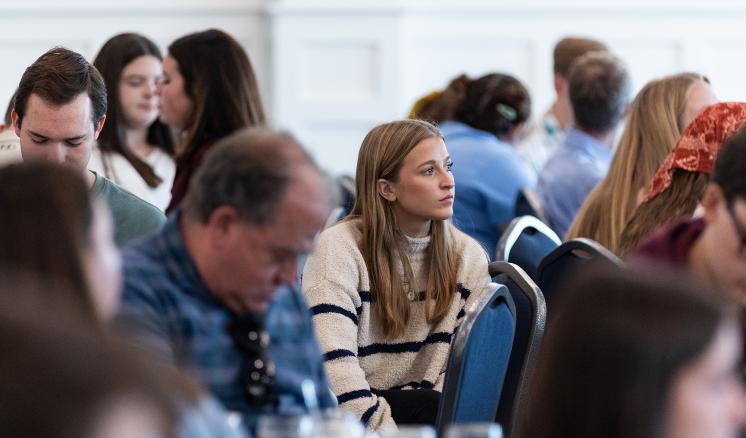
358,358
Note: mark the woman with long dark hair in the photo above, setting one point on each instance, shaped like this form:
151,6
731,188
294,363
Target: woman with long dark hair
209,91
135,150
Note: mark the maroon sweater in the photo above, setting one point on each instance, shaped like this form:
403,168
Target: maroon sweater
667,245
184,170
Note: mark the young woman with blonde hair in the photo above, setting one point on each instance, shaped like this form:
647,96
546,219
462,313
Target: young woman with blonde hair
678,185
657,116
389,285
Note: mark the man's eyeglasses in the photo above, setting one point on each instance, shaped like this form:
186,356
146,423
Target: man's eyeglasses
739,228
257,374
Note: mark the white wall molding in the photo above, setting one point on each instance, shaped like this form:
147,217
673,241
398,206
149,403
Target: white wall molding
331,69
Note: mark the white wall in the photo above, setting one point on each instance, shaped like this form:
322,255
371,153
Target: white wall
330,70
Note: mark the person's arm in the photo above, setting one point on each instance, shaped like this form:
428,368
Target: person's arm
142,317
330,285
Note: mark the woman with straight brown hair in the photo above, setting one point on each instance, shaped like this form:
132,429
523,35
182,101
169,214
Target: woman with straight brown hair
656,118
389,285
209,91
134,149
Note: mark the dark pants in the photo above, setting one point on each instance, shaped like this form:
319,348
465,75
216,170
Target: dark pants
415,406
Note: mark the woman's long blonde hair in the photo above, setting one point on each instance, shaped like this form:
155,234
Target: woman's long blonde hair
654,125
381,156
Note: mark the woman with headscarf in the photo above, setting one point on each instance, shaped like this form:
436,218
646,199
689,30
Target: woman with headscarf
679,184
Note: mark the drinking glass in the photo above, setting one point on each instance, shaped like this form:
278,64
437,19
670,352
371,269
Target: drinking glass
285,426
336,423
474,430
411,432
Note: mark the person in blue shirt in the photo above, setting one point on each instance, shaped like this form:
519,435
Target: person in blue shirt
480,119
214,292
599,87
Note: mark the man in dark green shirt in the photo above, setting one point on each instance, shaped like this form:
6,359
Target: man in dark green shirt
59,110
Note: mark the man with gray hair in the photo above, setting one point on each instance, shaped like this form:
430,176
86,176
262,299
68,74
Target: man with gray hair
214,292
599,88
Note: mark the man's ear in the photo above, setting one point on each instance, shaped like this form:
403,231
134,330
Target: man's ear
220,223
16,123
712,199
386,190
560,84
99,126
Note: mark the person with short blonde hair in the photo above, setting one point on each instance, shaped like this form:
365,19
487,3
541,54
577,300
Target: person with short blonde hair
390,284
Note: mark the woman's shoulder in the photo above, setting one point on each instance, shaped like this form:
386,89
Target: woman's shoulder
466,246
343,235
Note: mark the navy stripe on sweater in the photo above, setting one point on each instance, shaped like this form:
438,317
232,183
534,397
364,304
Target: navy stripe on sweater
331,308
365,296
404,347
353,395
464,292
336,354
369,413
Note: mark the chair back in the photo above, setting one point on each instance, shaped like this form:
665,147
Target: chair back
568,259
478,361
531,315
525,242
528,203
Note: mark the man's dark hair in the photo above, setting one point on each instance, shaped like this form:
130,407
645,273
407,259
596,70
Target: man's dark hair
250,171
58,77
730,167
599,88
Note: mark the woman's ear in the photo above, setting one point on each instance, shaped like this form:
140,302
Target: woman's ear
386,190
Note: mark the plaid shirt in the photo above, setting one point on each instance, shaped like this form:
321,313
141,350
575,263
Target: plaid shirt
167,305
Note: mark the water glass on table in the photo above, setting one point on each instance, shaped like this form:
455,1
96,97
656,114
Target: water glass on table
411,432
474,430
285,426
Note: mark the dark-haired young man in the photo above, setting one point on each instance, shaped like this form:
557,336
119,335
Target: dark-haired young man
599,88
59,110
712,247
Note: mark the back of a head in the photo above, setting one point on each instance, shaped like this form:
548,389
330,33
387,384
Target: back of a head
250,171
58,77
599,89
730,167
70,389
652,128
219,79
568,49
680,181
46,221
495,103
613,348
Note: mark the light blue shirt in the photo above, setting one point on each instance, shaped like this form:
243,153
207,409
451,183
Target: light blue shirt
489,174
570,175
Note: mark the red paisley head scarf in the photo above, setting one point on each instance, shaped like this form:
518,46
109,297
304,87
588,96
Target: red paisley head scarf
699,143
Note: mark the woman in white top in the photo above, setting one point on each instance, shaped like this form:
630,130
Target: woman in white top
135,150
389,285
